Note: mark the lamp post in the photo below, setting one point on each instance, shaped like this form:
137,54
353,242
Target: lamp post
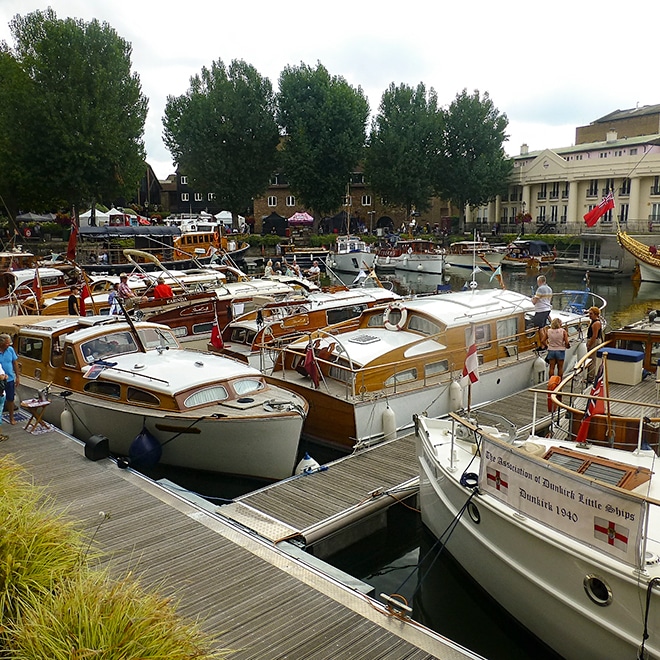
371,221
522,220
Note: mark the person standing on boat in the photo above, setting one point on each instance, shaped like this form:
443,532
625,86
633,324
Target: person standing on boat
112,300
594,337
557,345
542,300
124,291
74,305
9,364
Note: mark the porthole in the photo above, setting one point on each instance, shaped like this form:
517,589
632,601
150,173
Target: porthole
598,590
473,512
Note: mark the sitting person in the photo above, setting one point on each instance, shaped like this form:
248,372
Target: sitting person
314,272
162,290
268,271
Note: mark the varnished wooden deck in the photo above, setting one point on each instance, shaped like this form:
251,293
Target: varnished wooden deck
254,598
304,505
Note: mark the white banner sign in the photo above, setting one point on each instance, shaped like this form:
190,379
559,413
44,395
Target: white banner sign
608,521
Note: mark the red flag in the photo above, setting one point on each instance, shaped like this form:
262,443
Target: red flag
216,337
73,241
594,406
606,204
310,366
85,294
36,286
471,367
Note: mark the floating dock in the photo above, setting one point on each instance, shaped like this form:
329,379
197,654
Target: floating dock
244,590
328,509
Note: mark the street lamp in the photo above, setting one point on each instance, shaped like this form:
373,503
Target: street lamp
371,221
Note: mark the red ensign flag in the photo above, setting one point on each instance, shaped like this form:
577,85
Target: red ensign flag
606,204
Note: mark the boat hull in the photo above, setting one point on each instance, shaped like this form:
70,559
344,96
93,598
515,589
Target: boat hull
424,263
258,446
538,580
351,262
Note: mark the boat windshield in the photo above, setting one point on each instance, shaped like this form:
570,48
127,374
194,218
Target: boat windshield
115,343
157,338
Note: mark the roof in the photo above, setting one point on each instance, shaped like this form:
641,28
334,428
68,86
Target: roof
617,115
119,231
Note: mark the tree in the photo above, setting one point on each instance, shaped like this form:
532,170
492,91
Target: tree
324,120
404,147
80,122
474,167
222,133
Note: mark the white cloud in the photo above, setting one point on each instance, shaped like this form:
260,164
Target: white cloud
550,68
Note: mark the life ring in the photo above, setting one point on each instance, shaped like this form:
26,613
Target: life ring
28,232
402,321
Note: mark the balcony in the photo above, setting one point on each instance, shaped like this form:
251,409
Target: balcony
624,192
564,194
541,195
554,194
591,194
655,190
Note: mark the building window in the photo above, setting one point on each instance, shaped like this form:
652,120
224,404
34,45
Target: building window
609,185
564,192
357,178
602,154
625,187
564,214
185,197
290,200
554,191
593,188
210,197
655,213
541,215
348,201
554,213
633,152
366,200
278,180
623,216
198,197
655,188
184,180
272,200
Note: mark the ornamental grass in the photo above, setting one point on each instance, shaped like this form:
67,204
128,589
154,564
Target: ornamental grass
92,617
55,605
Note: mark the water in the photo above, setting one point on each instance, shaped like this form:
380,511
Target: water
403,558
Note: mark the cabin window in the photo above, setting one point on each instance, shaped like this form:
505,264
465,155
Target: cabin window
31,347
206,396
344,313
341,373
375,321
435,368
70,357
202,328
482,335
141,396
155,338
507,329
401,377
423,325
103,388
238,335
248,386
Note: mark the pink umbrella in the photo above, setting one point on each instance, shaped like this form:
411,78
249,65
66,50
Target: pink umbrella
301,219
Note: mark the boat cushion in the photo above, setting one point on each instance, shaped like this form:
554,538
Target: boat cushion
621,354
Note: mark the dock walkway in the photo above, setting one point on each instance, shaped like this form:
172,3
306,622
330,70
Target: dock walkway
309,507
254,598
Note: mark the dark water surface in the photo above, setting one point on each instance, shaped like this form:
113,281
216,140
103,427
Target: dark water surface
403,558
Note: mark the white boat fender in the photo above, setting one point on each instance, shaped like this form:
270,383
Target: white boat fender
145,450
307,464
66,421
538,370
455,396
389,424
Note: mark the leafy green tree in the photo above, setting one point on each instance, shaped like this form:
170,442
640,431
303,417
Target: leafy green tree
474,167
324,120
222,133
80,122
405,146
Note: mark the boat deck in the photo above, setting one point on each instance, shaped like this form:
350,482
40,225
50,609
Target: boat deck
250,595
307,506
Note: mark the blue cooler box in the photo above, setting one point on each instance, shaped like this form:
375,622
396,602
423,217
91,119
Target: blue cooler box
623,366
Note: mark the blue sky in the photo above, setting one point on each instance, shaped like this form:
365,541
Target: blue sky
549,68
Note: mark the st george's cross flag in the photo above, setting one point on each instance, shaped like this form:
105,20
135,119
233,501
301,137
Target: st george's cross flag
497,480
606,204
611,533
471,368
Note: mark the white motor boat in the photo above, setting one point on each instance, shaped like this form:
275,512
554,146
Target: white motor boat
351,255
153,400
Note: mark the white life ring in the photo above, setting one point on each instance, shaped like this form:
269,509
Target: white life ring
402,321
